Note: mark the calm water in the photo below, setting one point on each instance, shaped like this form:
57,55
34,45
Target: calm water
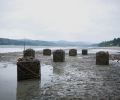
7,48
12,48
10,89
8,81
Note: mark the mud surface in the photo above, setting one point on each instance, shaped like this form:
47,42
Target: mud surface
78,78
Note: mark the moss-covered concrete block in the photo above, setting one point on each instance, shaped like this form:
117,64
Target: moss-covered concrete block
72,52
59,56
47,52
102,58
84,51
28,68
29,53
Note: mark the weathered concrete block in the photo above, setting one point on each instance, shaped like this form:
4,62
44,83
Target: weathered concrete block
28,68
102,58
84,52
29,53
72,52
47,52
59,56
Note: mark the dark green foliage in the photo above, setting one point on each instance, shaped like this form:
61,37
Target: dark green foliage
114,42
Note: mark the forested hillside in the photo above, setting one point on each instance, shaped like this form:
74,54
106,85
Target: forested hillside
114,42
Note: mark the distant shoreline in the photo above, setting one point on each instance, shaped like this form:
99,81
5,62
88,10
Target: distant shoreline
14,48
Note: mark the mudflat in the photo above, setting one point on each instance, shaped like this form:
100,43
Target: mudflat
78,78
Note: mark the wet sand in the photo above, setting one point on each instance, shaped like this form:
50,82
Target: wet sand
78,78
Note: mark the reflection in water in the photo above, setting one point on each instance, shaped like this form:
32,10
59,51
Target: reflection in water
58,68
28,90
8,81
46,74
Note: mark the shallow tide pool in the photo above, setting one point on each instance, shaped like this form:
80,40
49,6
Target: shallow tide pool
10,89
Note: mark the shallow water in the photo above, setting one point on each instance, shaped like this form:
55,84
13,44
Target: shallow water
10,89
8,81
13,48
111,51
76,77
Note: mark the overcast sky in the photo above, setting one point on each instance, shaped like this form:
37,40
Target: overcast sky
71,20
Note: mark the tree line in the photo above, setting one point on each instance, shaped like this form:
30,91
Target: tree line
114,42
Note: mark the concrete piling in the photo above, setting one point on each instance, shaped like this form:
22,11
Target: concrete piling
28,67
29,53
59,56
72,52
47,52
84,52
102,58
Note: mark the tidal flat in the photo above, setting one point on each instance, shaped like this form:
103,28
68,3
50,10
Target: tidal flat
78,78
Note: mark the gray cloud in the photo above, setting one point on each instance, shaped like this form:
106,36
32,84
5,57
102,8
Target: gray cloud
74,20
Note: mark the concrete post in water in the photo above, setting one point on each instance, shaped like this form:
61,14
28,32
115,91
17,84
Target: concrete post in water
72,52
59,56
84,52
29,53
102,58
28,67
47,52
